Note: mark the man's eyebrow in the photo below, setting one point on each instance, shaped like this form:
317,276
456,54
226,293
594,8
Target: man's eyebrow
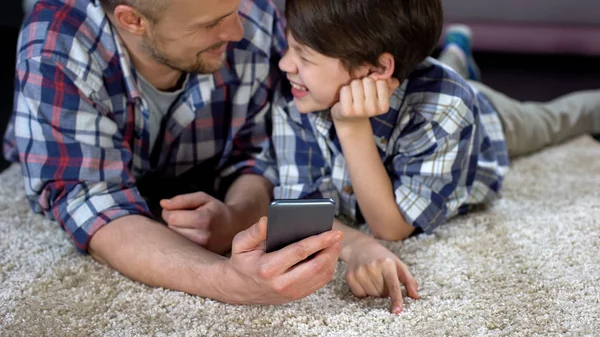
218,19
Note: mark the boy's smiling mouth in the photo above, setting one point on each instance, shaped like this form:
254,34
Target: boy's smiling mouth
298,90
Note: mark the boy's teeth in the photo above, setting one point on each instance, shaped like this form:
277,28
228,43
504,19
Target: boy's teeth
299,87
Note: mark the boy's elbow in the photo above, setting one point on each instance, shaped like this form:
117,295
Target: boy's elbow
398,233
388,236
392,227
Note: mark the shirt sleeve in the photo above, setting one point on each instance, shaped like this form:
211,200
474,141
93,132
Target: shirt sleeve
434,161
74,158
252,151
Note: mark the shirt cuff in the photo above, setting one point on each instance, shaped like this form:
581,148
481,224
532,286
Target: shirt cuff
82,216
263,169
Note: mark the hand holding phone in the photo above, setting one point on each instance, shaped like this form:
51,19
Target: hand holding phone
290,221
255,277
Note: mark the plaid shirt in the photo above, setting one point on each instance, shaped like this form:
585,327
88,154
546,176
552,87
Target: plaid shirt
80,125
441,143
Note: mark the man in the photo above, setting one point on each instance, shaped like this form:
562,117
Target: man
123,103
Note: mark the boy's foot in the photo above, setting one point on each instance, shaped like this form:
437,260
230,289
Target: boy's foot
458,39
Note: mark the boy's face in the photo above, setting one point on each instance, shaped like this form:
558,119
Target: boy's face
316,79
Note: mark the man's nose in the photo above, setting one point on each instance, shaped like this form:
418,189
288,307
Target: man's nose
233,29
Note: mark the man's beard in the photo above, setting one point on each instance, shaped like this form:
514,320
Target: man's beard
199,66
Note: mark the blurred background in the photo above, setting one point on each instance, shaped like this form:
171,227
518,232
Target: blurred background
11,14
528,49
533,49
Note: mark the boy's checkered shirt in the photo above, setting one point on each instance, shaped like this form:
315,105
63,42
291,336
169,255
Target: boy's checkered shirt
441,143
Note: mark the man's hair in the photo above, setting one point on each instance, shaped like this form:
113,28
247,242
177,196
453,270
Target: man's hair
359,31
149,8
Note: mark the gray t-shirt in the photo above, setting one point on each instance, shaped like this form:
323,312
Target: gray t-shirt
158,103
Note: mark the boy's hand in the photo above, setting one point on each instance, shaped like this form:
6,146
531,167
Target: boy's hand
363,99
375,271
202,219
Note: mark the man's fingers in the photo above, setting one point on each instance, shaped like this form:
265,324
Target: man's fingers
197,236
198,219
251,239
408,280
186,201
394,289
280,261
165,215
315,272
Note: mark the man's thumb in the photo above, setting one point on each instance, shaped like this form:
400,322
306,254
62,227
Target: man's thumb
251,238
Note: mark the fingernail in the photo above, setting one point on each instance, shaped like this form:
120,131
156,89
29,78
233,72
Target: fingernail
337,237
396,310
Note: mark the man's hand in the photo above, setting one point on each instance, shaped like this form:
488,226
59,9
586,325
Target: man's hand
202,219
147,251
253,276
375,271
363,99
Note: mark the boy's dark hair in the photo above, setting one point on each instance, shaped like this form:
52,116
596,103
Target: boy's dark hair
149,8
359,31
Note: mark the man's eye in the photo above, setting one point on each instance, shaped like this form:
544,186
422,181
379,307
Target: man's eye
213,25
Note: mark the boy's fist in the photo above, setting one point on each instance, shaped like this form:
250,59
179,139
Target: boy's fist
364,98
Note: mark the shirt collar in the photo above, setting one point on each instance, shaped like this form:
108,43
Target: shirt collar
129,73
198,88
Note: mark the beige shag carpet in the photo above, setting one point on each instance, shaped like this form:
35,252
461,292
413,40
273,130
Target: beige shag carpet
529,265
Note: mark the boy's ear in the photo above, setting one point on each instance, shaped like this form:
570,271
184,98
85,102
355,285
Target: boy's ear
385,69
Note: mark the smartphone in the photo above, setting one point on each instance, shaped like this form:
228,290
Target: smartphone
293,220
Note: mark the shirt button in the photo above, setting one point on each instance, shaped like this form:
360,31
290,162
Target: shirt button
383,141
348,190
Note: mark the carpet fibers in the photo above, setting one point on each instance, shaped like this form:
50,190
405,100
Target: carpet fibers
528,265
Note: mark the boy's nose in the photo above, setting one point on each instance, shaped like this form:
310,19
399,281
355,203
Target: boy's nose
286,64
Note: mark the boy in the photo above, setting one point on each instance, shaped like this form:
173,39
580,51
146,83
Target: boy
397,139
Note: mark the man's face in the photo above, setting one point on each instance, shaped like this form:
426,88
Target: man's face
192,35
316,79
